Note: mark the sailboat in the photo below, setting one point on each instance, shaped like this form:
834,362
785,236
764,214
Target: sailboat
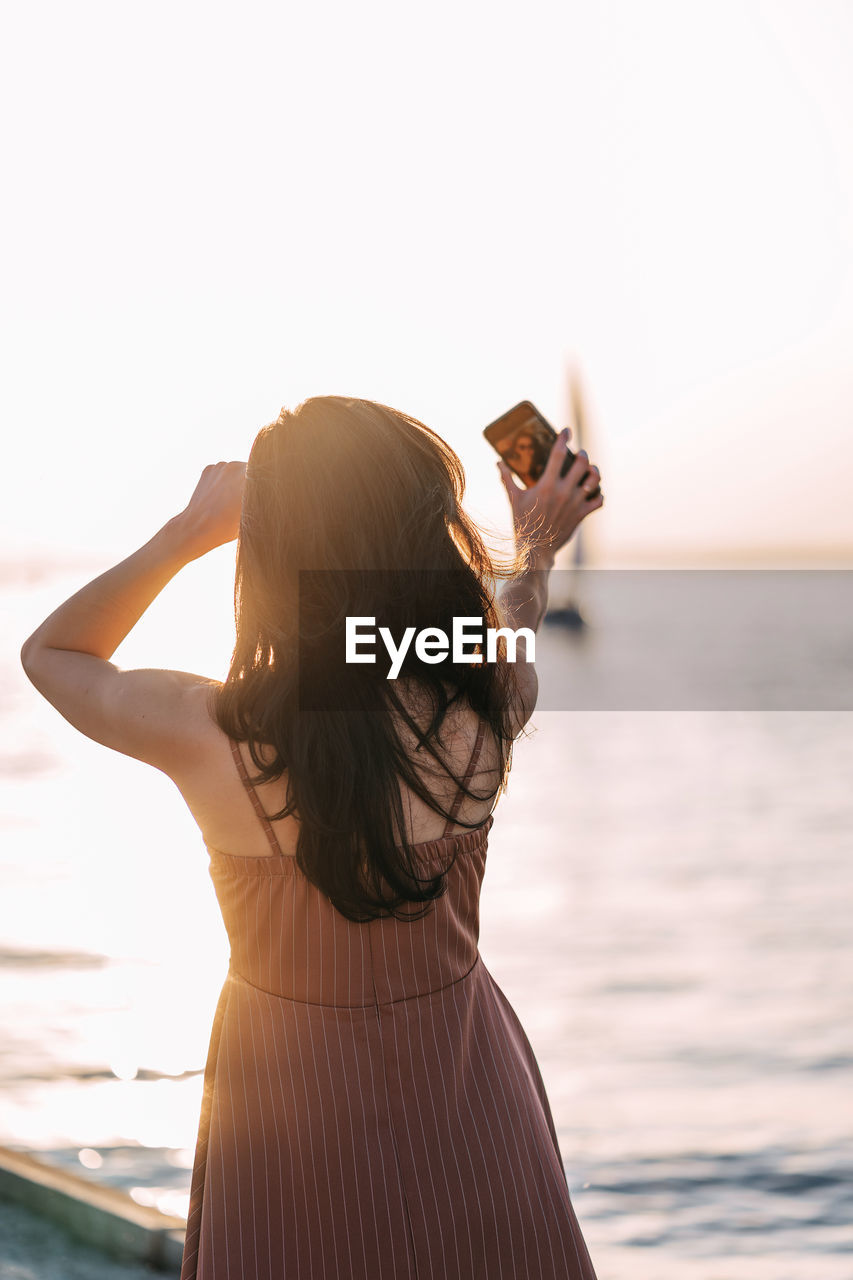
569,613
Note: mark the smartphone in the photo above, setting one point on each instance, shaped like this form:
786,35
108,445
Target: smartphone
524,438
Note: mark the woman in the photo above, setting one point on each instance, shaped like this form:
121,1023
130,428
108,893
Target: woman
372,1107
527,458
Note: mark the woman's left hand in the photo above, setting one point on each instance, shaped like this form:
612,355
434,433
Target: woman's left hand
212,515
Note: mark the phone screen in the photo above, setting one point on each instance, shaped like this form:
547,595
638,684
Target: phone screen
524,439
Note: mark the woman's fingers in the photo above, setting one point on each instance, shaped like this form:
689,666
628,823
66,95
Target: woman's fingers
557,456
576,472
552,509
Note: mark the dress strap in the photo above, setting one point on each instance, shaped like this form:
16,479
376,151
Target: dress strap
255,799
478,742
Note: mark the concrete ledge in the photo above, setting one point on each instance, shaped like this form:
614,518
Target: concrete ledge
99,1215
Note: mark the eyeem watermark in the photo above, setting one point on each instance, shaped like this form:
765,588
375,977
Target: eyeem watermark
433,645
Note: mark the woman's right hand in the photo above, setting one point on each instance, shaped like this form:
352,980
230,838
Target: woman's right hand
547,514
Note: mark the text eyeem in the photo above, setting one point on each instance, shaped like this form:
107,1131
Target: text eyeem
433,645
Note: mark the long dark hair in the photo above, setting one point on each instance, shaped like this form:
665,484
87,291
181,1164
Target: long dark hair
350,509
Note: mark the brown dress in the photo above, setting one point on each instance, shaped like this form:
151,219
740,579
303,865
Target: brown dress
372,1107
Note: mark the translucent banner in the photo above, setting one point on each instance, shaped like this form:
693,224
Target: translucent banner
612,639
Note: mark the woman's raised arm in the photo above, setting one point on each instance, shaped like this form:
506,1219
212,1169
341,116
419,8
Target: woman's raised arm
544,518
143,713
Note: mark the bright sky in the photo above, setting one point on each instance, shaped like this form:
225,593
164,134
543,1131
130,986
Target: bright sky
212,211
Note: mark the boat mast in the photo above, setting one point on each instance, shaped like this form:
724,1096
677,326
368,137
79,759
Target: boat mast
576,416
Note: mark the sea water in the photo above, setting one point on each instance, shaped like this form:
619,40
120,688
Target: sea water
666,905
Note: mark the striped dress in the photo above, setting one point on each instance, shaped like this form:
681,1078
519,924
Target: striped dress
372,1108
